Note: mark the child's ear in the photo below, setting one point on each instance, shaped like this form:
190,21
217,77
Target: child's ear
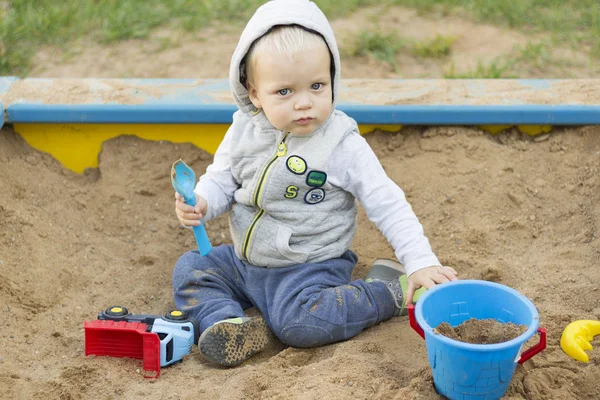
253,94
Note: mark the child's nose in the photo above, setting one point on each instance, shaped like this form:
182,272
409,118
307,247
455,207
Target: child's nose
303,103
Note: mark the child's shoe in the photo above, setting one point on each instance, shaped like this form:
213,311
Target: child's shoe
393,274
232,341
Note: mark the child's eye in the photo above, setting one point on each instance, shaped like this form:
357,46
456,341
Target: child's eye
316,86
284,92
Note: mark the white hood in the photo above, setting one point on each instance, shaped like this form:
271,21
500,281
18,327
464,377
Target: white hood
280,12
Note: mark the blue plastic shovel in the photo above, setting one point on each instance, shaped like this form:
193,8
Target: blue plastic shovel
184,181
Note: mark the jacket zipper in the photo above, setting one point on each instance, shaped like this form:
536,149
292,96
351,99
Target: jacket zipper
281,152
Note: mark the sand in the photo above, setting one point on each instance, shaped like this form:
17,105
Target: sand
511,209
523,212
481,331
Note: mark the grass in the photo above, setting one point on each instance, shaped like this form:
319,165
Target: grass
437,47
25,25
536,54
385,47
382,47
572,22
496,69
530,56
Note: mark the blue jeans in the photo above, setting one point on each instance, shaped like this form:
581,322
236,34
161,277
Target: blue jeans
305,305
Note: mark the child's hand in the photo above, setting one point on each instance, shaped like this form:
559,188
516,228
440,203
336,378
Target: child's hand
188,215
429,277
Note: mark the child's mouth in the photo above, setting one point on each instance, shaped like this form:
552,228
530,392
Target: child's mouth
303,121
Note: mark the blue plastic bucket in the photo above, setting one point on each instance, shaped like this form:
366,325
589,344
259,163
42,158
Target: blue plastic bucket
474,371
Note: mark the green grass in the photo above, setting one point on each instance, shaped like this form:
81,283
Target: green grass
383,47
25,25
496,69
438,47
535,54
572,22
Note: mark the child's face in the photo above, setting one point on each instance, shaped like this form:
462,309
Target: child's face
295,92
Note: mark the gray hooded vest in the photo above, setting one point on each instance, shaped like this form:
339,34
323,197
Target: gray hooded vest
286,212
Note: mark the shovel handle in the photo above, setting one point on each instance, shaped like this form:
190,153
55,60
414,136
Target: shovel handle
200,234
202,239
413,320
535,349
183,180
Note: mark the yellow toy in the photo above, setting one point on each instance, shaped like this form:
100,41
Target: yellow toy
577,337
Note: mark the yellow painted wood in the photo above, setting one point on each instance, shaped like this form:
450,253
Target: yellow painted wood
77,146
370,128
533,130
494,129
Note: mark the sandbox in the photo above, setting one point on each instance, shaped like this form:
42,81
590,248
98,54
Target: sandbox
504,175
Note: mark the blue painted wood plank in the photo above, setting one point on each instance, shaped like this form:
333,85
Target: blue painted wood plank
476,115
126,114
363,114
393,101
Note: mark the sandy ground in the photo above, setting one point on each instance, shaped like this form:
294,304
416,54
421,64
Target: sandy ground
523,212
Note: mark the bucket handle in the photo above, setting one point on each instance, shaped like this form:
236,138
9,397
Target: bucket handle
524,357
413,320
535,349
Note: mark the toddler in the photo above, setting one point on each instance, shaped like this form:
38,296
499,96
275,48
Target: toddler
289,171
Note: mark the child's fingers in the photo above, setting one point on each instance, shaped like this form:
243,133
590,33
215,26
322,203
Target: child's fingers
445,274
179,200
428,283
410,293
187,222
412,288
447,268
180,205
450,276
191,216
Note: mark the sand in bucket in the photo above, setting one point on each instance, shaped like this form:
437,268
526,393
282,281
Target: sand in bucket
474,371
481,331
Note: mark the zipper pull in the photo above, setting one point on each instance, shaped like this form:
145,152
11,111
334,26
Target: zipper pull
281,149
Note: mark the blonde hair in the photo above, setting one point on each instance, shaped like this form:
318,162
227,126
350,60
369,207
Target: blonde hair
282,40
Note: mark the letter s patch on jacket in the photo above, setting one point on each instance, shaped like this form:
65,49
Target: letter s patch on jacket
291,192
